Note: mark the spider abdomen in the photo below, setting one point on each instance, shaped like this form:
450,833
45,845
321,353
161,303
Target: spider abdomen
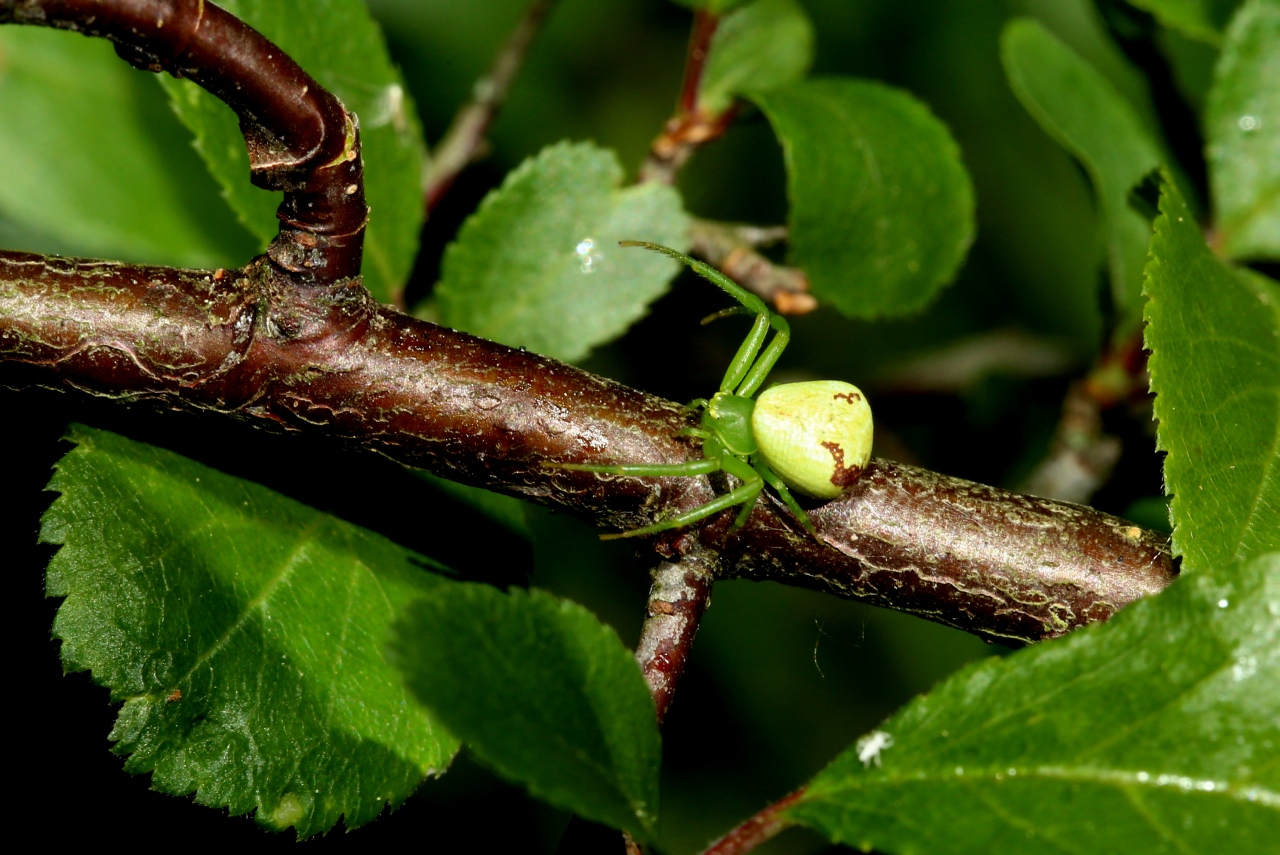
816,436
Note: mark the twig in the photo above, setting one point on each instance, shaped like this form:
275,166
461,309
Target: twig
466,140
729,248
679,596
332,362
704,29
1082,455
300,138
692,126
759,828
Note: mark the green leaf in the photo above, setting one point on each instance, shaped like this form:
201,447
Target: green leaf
1154,733
1084,113
337,43
760,46
1243,125
1214,336
136,192
541,691
881,206
1200,19
539,266
269,618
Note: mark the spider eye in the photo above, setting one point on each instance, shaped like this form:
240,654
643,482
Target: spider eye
816,436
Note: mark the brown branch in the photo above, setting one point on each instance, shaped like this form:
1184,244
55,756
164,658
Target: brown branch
704,29
757,829
466,139
300,138
692,126
730,248
1082,455
679,596
330,361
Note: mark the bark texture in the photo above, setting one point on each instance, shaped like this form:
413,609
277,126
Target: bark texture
251,345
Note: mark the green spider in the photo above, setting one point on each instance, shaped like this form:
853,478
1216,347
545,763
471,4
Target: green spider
813,438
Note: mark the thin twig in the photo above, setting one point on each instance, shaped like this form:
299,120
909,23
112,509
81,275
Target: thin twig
692,126
1082,455
730,248
466,140
704,29
679,596
759,828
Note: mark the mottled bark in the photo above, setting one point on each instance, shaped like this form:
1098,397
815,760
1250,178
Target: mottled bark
330,361
679,596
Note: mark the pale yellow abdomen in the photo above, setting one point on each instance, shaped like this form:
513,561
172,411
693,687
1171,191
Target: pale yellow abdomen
816,436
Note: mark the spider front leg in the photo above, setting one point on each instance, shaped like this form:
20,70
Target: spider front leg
780,487
644,470
750,366
744,494
720,458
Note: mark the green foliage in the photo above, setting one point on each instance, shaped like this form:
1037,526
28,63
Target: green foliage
340,46
1083,112
881,206
243,632
544,247
126,196
1200,19
538,688
760,46
1213,332
1156,732
1244,147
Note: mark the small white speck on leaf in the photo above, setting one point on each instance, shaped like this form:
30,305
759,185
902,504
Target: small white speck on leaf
870,746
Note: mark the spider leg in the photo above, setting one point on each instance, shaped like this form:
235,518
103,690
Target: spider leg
776,483
743,493
746,371
652,470
747,474
753,303
746,355
754,378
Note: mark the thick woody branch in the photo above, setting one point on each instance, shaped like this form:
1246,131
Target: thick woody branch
330,361
300,137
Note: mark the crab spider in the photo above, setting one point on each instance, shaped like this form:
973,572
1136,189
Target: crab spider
813,438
